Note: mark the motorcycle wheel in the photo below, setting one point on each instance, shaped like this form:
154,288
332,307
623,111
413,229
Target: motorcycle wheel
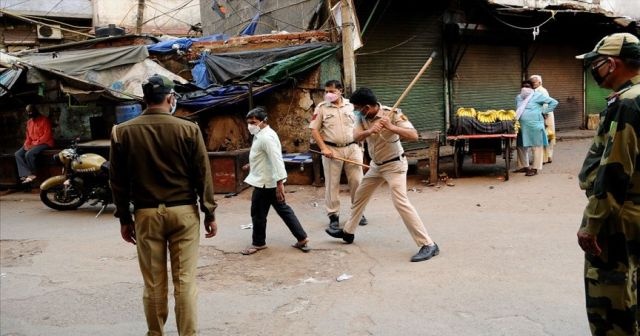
56,198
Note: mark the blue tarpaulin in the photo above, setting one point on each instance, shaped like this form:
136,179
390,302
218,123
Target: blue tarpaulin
250,29
222,95
199,73
184,43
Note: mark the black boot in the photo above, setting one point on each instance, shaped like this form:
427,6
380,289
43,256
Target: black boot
339,233
334,222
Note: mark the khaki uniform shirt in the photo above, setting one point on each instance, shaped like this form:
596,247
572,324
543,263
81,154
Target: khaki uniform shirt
158,158
335,123
386,144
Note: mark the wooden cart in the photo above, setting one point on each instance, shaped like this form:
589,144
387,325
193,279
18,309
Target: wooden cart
483,148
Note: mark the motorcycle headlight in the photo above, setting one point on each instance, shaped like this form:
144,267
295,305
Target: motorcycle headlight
65,156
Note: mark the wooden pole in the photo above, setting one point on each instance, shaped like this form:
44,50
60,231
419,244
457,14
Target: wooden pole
342,159
140,18
348,57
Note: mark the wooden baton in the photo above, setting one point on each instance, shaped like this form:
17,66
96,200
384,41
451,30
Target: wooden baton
343,159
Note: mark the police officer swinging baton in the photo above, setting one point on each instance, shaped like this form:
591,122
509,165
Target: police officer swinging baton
395,106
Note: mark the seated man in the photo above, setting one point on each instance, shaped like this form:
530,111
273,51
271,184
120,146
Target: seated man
39,137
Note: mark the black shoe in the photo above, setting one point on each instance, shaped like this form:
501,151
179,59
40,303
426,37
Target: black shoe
426,252
363,221
334,222
347,237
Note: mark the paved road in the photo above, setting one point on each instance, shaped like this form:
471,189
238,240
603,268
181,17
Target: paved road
509,265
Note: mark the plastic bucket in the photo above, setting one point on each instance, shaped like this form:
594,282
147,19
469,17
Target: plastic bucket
127,112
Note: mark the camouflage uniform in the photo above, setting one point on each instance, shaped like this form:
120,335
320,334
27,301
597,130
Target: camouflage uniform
610,176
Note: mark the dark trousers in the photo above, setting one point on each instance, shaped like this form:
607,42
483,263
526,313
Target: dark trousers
26,159
261,200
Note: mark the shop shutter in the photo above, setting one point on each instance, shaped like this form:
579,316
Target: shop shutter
562,76
488,77
395,49
596,97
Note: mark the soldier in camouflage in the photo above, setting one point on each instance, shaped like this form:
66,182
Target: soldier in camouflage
610,229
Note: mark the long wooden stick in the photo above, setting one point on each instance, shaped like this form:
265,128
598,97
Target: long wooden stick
343,159
414,81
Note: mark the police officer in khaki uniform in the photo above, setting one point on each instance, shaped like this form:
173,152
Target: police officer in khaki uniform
332,128
383,129
159,163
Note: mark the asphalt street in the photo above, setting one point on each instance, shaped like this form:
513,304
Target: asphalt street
509,264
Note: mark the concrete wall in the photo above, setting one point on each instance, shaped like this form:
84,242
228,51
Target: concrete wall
277,15
82,9
167,17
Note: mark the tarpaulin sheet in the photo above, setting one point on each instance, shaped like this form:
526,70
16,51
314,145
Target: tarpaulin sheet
183,43
78,62
251,65
8,78
122,81
222,95
470,126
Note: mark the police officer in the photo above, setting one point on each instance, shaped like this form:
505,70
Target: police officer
610,175
383,129
159,163
332,128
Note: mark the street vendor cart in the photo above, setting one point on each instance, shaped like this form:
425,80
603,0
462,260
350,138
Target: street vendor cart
482,137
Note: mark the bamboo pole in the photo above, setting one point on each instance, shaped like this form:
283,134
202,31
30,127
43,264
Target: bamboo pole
343,159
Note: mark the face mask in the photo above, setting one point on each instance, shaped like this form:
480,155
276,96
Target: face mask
331,97
596,75
253,129
174,105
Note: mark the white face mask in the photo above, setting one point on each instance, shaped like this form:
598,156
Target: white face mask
254,129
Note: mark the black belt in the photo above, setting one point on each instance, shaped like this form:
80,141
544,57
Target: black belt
152,205
397,158
336,145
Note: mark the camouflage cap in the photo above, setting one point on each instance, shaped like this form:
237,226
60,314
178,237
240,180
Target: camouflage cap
623,45
157,84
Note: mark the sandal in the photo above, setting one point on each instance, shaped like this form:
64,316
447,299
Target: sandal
521,170
531,172
253,249
302,245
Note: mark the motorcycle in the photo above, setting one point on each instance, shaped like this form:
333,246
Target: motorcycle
84,178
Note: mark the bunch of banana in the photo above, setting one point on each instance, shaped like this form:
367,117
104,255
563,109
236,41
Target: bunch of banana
489,116
506,115
466,112
516,127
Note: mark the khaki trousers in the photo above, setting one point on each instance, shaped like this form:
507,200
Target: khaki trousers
178,230
395,174
332,171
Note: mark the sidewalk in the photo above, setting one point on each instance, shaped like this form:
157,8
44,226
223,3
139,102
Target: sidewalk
575,134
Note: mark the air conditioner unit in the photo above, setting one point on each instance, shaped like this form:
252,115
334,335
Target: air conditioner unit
50,32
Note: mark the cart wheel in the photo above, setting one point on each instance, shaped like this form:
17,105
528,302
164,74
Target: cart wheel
458,158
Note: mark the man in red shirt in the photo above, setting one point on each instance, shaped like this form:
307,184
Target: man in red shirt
39,137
